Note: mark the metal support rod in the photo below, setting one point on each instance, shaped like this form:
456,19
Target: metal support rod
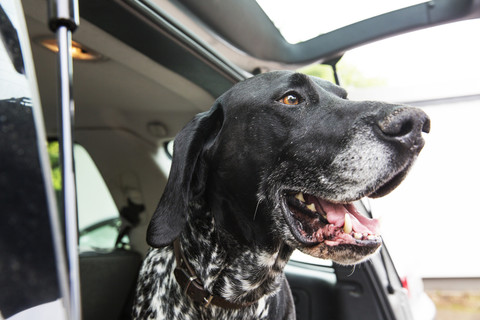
335,75
64,19
67,110
333,63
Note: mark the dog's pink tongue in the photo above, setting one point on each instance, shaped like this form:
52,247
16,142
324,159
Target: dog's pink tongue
336,215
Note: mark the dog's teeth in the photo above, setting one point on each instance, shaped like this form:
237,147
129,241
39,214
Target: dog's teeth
358,236
300,197
311,207
347,227
372,237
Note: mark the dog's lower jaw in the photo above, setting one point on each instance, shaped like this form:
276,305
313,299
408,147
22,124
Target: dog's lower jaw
326,230
345,254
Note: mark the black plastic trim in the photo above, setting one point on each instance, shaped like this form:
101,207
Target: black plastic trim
361,289
245,25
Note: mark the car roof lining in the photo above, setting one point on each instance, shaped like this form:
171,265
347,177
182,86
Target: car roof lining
119,19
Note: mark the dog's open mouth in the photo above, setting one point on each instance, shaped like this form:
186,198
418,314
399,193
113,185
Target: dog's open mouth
313,220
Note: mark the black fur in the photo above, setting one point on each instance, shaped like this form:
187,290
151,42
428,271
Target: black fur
234,173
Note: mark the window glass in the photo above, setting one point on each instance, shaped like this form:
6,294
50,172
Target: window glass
98,216
95,203
426,220
435,63
307,19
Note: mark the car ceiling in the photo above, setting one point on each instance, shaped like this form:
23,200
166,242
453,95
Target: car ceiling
126,89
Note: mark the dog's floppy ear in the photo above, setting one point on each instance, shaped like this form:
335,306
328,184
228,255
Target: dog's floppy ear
187,177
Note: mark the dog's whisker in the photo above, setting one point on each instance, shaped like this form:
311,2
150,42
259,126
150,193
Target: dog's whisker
256,209
353,270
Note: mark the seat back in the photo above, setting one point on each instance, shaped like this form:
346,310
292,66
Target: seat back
108,283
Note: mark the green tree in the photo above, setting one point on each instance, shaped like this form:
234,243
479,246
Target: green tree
54,155
349,75
323,71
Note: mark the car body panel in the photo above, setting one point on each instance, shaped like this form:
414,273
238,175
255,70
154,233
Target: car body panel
32,267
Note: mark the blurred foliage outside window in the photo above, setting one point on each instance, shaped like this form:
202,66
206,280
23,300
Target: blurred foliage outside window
54,155
349,75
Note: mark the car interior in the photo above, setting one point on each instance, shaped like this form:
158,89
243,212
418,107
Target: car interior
144,69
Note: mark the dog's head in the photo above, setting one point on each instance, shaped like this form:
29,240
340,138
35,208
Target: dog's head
281,157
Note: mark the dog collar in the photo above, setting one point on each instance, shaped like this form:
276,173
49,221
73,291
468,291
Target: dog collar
193,287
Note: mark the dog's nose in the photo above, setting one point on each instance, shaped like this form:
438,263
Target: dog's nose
405,126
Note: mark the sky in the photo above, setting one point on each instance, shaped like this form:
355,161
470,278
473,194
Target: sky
309,18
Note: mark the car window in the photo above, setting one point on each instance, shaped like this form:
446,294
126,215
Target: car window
310,25
98,217
437,70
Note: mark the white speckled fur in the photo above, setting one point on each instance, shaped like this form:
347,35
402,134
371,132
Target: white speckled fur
232,275
356,169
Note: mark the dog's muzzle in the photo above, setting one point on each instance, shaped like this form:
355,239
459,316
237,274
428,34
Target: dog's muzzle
333,225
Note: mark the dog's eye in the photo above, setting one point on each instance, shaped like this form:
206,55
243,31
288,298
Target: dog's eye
291,99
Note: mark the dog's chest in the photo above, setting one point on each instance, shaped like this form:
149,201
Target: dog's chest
160,297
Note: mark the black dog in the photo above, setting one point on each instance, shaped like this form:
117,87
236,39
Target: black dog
273,166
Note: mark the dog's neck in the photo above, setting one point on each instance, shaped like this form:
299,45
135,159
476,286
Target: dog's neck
237,273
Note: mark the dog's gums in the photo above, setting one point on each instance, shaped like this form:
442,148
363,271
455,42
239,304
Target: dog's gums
313,220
